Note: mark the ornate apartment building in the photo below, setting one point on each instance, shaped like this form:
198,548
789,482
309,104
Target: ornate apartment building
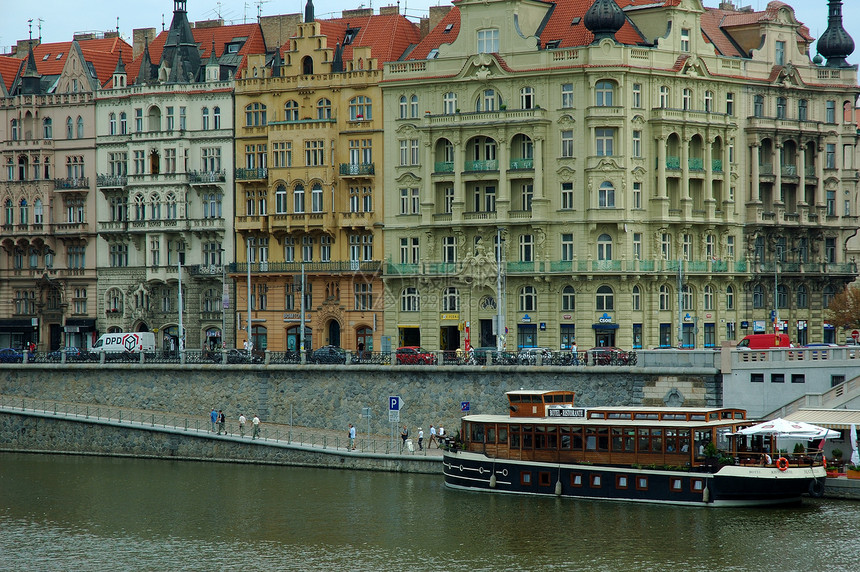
636,174
48,278
309,198
165,183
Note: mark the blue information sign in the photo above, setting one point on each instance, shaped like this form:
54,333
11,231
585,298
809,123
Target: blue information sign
464,406
394,403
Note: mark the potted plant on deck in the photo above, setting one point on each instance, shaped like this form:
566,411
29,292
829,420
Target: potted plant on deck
852,471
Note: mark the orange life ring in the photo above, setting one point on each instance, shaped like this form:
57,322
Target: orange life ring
782,463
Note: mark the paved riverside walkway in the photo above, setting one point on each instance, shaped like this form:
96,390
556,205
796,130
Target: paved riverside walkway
201,427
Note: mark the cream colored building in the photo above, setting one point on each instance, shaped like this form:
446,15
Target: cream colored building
652,184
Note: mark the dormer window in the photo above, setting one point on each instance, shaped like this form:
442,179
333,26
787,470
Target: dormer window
553,44
448,28
349,35
434,53
488,41
45,58
60,55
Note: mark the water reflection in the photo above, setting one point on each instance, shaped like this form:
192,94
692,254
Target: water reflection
85,513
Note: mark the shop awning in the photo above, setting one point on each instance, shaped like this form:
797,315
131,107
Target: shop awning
830,418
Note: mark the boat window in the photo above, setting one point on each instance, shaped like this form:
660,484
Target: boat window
650,440
526,478
564,432
647,416
641,483
713,416
726,415
597,439
740,415
619,416
676,484
672,441
621,481
675,416
544,478
697,485
528,437
593,415
684,440
515,436
697,417
617,440
595,481
491,433
576,437
477,433
576,479
515,398
535,399
503,434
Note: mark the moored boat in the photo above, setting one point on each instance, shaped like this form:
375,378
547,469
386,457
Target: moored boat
690,456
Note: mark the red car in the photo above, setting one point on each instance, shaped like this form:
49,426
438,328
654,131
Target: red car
415,355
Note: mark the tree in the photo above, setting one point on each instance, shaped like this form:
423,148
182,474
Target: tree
844,309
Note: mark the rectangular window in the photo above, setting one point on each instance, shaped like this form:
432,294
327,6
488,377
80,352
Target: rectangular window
315,153
566,95
604,141
138,120
637,95
798,378
567,143
779,56
730,103
685,39
830,112
567,247
567,196
777,378
830,156
637,246
637,195
488,41
756,378
710,335
170,118
637,143
182,114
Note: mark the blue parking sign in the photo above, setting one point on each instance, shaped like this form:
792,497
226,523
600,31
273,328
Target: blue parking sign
394,403
464,406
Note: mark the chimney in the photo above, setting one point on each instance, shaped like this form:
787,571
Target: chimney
389,10
139,38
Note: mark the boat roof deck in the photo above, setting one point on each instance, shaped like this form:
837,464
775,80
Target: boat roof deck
680,424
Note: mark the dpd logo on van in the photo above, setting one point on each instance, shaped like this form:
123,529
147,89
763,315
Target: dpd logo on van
129,343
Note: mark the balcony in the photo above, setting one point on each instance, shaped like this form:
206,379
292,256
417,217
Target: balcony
339,267
487,165
355,220
717,165
251,222
522,164
696,164
443,167
206,177
71,184
357,169
205,269
108,181
259,174
479,215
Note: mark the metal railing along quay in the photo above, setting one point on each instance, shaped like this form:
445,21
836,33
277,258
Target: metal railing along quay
201,426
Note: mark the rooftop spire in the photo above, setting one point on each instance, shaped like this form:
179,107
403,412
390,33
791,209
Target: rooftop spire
835,44
604,18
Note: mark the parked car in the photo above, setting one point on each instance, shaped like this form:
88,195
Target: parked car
412,355
609,355
528,356
11,355
72,354
328,354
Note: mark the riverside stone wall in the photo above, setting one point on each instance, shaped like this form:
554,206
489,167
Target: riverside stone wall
330,397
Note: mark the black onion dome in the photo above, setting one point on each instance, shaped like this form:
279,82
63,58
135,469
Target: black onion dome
835,44
604,18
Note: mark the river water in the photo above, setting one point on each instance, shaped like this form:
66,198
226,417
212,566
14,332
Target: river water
90,513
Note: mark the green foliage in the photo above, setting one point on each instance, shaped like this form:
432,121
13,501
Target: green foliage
799,448
836,453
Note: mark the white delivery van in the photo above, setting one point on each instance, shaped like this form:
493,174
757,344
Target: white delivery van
129,342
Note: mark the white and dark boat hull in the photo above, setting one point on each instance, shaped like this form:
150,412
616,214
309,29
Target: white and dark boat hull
728,486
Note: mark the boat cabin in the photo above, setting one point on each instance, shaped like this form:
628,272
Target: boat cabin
545,426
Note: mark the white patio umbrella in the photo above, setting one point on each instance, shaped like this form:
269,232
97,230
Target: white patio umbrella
795,429
855,455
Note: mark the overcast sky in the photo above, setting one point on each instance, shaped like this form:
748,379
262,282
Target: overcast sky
61,18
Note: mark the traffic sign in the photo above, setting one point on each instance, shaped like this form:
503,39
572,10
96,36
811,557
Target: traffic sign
393,416
395,403
464,406
855,334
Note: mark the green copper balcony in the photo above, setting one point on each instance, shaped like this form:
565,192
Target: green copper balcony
443,167
488,165
252,174
522,164
673,163
356,169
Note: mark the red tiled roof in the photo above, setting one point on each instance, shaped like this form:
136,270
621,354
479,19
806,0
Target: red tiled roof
9,68
438,36
103,53
222,35
387,35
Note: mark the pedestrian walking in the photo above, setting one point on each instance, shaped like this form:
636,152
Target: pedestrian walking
420,439
256,422
213,416
352,436
432,438
242,421
222,420
404,434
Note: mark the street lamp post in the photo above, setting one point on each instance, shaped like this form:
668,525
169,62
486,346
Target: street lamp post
248,321
180,255
225,301
500,298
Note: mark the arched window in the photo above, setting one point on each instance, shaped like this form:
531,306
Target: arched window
15,130
255,115
9,209
637,298
687,298
70,128
568,299
24,209
216,118
114,300
281,199
47,128
38,212
605,299
686,98
528,299
708,297
827,296
758,296
604,247
781,296
324,109
360,108
413,106
291,111
604,93
154,207
665,298
606,195
449,103
730,298
409,300
80,127
139,207
299,199
112,124
451,300
123,123
205,114
404,107
488,100
802,297
307,65
170,202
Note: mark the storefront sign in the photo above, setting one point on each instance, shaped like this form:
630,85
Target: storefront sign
526,318
555,411
455,317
